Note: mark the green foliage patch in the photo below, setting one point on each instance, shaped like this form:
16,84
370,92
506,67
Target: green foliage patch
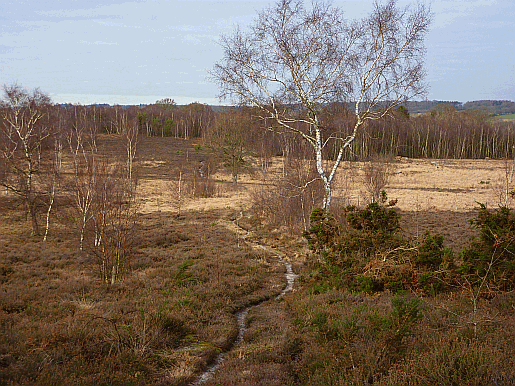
366,253
491,257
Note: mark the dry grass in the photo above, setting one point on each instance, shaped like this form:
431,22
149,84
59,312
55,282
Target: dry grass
188,278
59,324
346,339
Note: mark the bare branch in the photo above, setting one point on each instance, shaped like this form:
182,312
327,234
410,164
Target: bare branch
294,60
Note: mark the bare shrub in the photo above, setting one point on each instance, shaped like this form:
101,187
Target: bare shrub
114,213
177,191
82,143
376,174
201,183
103,193
229,139
203,187
290,200
504,186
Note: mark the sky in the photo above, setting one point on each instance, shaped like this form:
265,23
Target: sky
132,52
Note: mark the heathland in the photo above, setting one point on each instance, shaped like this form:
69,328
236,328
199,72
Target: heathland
138,244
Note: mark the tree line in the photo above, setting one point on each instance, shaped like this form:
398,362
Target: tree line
494,107
442,133
35,134
163,118
50,159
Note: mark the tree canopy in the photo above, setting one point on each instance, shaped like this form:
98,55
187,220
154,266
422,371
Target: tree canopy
293,60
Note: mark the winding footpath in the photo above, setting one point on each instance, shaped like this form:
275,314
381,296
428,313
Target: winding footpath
242,314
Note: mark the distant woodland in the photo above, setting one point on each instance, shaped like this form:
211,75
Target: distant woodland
494,107
431,129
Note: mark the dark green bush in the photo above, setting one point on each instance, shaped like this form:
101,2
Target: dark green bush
183,276
323,234
342,251
431,252
395,326
376,217
366,231
366,253
491,257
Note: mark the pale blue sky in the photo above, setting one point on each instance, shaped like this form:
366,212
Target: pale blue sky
131,52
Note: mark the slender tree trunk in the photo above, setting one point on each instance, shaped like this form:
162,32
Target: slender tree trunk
34,218
31,201
180,192
234,170
52,197
320,169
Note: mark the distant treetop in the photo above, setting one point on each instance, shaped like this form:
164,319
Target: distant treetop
494,107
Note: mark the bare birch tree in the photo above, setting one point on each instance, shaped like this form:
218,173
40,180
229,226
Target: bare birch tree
294,60
81,140
114,211
23,134
229,138
130,138
54,175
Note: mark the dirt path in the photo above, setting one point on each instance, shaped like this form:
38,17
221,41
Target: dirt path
241,316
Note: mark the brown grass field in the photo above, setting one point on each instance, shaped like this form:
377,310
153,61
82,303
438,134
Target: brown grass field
190,273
